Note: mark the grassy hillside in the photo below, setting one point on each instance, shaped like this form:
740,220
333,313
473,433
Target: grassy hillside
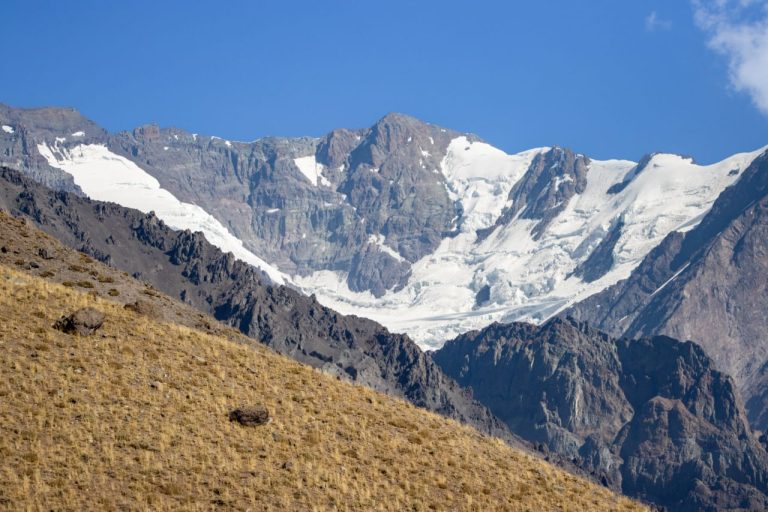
135,417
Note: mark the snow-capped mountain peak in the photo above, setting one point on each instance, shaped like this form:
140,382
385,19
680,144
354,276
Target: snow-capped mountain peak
429,231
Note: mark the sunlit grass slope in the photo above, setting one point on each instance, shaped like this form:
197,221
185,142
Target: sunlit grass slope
135,417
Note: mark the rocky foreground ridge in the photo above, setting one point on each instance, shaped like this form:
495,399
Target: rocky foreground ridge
651,417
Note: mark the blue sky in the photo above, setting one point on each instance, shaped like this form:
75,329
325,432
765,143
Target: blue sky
609,78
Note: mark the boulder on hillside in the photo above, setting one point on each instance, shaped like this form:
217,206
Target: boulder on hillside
84,322
250,415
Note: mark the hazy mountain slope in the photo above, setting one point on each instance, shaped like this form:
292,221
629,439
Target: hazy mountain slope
184,265
136,417
651,417
426,230
709,285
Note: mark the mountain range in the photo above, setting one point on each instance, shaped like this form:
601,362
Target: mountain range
426,230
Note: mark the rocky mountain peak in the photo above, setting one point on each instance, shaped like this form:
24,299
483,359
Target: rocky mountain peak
49,123
553,178
402,141
147,132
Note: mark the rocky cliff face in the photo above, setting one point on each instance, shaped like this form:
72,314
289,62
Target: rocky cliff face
543,193
367,202
315,204
709,285
651,417
184,265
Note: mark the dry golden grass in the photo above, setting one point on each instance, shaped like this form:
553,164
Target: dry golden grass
135,418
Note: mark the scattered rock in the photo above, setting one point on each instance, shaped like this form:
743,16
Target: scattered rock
84,322
142,307
250,416
43,253
287,465
3,249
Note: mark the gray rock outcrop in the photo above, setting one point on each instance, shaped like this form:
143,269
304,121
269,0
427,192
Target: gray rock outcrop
543,192
709,285
650,417
84,322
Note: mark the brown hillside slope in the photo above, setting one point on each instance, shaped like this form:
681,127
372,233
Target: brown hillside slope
26,248
136,417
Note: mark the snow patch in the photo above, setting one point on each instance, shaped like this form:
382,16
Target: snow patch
379,241
78,134
312,170
7,129
674,276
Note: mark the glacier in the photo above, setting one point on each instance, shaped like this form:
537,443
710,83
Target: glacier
528,279
106,176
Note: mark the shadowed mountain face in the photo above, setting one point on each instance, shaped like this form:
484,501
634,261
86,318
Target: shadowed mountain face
709,285
184,265
650,417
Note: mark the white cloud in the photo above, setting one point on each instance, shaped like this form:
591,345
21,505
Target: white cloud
738,29
654,23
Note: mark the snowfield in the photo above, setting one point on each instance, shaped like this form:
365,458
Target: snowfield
531,280
312,170
105,176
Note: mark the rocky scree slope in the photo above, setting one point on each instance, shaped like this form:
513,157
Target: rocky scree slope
650,417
